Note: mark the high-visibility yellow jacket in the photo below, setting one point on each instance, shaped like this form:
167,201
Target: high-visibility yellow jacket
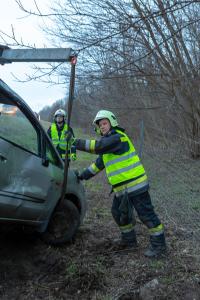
118,156
59,140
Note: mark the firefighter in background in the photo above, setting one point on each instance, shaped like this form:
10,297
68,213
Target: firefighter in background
128,179
57,132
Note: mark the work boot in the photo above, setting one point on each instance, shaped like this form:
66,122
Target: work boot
121,244
157,246
128,240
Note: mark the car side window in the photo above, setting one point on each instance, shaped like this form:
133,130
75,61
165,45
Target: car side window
16,128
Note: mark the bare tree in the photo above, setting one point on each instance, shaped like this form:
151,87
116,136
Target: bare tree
169,38
135,57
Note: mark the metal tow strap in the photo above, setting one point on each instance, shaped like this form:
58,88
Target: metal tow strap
69,110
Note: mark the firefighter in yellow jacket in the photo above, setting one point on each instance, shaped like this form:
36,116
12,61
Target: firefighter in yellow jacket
57,133
127,176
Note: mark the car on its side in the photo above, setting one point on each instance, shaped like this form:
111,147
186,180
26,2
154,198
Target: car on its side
32,175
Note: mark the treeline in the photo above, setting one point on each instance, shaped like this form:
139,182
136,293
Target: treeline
140,59
47,113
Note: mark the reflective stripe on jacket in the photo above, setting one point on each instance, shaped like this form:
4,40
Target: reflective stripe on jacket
125,167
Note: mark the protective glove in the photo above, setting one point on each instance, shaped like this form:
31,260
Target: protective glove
70,138
78,175
73,156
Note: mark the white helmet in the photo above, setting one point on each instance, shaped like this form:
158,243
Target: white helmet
106,114
60,112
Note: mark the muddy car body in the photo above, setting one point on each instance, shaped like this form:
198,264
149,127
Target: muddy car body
31,175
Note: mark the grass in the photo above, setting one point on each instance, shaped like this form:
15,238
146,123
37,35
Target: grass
84,157
45,124
167,280
94,186
99,266
71,270
157,264
78,132
101,212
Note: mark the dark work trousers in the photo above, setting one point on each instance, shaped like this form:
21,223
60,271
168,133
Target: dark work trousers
122,210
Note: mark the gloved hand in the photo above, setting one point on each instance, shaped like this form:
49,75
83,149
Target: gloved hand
70,138
78,175
73,156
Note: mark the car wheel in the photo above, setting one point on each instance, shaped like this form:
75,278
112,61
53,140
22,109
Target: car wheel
63,224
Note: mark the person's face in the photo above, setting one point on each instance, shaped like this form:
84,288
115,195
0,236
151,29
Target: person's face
59,119
104,126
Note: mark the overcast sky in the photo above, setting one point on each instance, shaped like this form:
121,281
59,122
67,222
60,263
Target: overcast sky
37,95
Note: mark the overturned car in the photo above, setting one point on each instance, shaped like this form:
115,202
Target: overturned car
32,175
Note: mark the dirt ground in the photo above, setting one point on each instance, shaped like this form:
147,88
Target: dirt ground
90,268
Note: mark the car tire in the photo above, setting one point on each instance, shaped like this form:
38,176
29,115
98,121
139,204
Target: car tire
63,224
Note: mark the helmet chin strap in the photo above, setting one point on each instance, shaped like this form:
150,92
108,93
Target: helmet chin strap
97,130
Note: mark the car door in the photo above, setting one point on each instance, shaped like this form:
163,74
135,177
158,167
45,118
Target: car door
31,172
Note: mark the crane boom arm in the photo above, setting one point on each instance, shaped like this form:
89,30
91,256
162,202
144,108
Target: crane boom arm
8,55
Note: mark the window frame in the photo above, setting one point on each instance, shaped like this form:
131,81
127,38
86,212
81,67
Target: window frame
10,97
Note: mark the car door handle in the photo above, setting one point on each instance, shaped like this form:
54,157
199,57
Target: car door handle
3,158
